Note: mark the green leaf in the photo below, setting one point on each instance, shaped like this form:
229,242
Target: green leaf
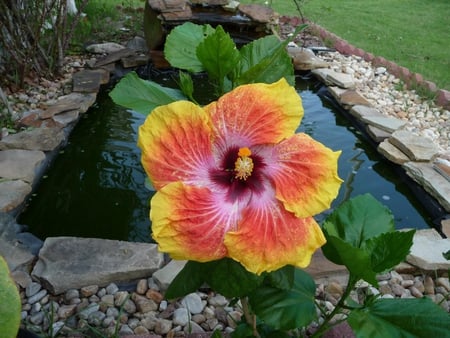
10,304
230,278
400,318
187,85
357,260
358,220
286,309
188,280
282,278
389,249
219,55
264,60
181,45
142,96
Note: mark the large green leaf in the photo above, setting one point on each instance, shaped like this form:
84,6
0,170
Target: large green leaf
282,278
359,219
357,260
230,278
188,280
389,249
219,55
10,304
400,318
286,309
264,60
142,96
181,45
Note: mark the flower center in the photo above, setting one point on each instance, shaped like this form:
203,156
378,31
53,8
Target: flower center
243,166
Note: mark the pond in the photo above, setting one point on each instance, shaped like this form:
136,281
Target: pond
96,186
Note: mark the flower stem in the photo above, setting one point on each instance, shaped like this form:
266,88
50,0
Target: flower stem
249,317
325,326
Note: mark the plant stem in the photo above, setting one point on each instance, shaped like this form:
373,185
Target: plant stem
249,317
325,326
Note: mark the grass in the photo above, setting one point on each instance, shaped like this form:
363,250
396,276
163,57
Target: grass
412,33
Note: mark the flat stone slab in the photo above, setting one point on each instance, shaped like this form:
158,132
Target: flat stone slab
45,139
392,153
377,134
114,57
12,194
305,59
427,249
258,13
360,111
434,183
18,164
86,82
15,255
333,78
418,148
73,262
73,101
389,124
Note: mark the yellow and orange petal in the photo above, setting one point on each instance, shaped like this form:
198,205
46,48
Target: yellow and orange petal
270,237
176,144
189,222
257,113
305,175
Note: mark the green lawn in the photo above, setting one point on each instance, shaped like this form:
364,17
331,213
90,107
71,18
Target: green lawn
412,33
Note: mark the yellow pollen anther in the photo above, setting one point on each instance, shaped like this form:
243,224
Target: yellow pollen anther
244,164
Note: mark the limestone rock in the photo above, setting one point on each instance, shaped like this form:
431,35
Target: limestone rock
17,164
389,124
426,251
89,81
15,255
13,194
71,262
73,101
45,139
351,98
434,183
331,77
418,148
305,59
392,153
104,48
360,111
165,276
258,13
377,134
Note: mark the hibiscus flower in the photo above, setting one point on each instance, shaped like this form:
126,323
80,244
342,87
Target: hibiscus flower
233,179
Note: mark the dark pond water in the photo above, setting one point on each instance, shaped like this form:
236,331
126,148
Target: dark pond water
96,186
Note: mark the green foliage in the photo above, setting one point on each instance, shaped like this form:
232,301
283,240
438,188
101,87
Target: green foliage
201,48
360,235
285,302
10,304
181,45
143,96
239,281
400,318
